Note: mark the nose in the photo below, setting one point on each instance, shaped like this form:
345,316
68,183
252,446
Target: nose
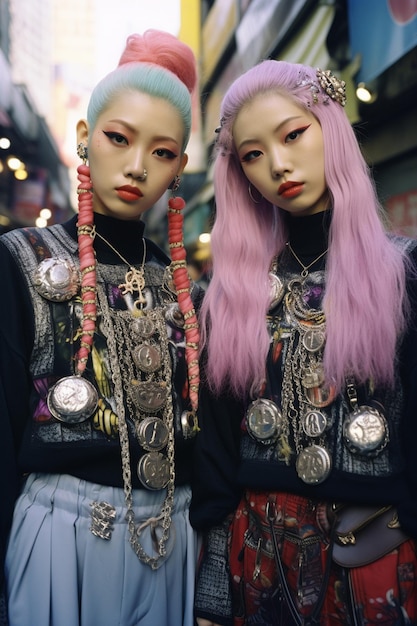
135,167
279,164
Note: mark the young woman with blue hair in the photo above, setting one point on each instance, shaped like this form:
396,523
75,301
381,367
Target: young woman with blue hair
99,372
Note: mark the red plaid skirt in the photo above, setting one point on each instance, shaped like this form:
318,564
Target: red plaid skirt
383,592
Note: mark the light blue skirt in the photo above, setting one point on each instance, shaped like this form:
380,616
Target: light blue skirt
60,574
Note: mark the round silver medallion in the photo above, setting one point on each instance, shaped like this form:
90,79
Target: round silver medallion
314,423
152,434
147,357
365,431
264,421
313,464
153,470
277,290
72,400
142,327
57,280
150,396
313,339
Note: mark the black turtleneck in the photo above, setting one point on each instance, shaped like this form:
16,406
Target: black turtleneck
309,235
126,236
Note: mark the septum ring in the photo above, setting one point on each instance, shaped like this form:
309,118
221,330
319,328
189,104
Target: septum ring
143,176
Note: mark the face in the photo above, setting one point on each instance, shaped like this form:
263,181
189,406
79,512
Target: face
280,148
136,132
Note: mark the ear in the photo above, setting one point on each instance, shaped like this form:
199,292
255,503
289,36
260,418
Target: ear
82,132
184,162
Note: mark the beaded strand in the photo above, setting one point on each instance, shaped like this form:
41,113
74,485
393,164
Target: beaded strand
182,286
86,233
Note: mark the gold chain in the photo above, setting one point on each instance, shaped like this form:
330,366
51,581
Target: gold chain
304,273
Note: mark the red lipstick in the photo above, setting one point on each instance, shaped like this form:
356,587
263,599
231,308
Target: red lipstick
290,189
129,193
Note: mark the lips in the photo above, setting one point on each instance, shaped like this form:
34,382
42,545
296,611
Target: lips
129,193
290,189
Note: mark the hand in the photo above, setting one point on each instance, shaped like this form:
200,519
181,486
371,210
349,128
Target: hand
205,622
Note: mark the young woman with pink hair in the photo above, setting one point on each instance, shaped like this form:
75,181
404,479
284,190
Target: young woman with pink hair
99,371
305,481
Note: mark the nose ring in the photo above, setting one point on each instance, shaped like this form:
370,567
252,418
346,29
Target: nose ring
143,176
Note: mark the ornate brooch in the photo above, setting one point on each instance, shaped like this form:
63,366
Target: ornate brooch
332,86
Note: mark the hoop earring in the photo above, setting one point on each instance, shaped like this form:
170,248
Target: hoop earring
251,196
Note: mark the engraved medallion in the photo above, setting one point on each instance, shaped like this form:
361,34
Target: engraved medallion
147,357
313,339
72,400
152,434
150,396
174,316
57,280
314,423
313,464
365,431
264,421
142,327
153,470
276,289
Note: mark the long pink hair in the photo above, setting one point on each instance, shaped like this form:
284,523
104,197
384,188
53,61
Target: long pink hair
365,298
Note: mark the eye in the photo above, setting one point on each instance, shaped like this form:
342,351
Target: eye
116,138
250,156
165,153
294,134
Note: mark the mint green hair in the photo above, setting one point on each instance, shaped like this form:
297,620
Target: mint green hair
146,78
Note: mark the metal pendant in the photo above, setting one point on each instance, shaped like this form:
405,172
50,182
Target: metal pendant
150,396
365,431
312,376
152,434
314,423
313,464
142,327
57,280
320,396
189,424
153,471
313,339
277,290
147,357
72,400
264,421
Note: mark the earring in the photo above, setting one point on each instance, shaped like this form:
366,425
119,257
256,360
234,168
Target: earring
82,152
251,196
174,186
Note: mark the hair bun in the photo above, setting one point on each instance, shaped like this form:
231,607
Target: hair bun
163,49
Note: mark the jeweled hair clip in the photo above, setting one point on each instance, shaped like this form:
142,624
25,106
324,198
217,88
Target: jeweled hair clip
332,86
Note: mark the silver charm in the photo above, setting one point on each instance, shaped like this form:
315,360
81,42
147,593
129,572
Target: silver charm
313,339
189,424
150,396
142,327
314,423
264,421
147,357
72,400
153,471
313,464
277,290
56,279
365,431
152,434
103,515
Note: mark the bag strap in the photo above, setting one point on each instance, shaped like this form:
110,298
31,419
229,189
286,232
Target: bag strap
314,618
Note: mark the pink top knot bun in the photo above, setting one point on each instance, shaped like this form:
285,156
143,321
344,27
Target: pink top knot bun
163,49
